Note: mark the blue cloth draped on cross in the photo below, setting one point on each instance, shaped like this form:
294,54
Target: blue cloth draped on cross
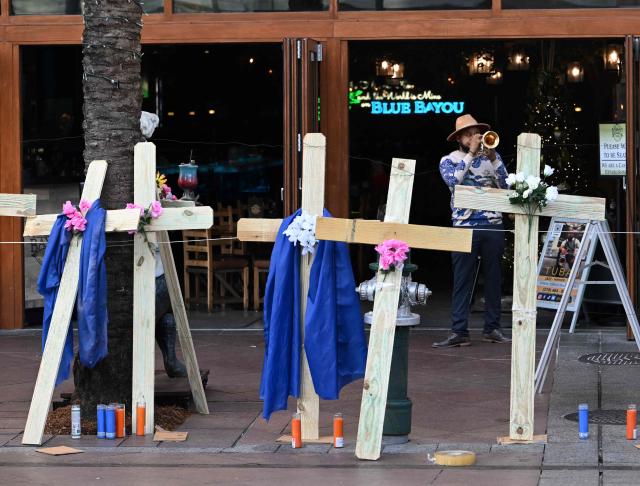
91,301
334,343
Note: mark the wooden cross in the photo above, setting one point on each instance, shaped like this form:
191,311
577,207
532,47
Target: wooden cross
386,301
122,220
265,230
144,287
525,273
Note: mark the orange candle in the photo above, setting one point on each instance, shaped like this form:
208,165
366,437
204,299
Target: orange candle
296,431
632,418
120,420
141,412
338,430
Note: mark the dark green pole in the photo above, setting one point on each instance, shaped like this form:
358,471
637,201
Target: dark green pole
397,419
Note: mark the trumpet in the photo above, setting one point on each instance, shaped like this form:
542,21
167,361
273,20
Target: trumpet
490,140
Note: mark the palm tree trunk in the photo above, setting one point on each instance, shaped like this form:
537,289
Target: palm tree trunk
112,104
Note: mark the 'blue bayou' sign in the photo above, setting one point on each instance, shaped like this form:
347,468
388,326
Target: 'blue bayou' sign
402,102
415,107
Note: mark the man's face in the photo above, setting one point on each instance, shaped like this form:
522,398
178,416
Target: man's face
465,136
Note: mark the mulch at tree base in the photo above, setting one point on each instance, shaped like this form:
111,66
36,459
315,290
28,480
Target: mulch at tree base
59,420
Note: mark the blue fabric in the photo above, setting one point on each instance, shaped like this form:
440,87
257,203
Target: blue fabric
92,289
335,342
55,256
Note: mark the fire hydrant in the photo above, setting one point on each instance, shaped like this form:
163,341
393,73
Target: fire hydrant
397,419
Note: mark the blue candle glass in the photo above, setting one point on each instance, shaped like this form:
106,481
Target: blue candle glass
583,421
102,431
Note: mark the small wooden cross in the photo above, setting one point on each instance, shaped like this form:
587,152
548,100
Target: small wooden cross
386,301
525,273
144,287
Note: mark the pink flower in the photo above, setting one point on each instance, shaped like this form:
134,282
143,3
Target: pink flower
79,222
84,206
68,209
156,209
392,253
174,198
136,206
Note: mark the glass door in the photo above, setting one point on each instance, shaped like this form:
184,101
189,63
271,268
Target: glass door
301,110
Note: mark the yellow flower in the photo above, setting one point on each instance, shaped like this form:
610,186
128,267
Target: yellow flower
161,179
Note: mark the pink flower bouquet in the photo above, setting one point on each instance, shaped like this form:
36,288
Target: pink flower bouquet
76,220
393,253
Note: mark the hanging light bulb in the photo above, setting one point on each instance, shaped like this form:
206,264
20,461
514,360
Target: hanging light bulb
612,57
575,72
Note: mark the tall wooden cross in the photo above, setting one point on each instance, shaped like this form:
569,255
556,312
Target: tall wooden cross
116,220
386,302
523,348
144,288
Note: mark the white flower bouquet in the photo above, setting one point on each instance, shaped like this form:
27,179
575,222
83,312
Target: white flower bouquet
302,230
531,192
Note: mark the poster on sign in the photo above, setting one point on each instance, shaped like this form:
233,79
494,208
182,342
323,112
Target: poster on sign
561,245
613,149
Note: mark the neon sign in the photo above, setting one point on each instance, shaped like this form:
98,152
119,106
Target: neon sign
406,102
416,107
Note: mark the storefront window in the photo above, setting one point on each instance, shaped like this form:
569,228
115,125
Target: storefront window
413,4
404,98
52,144
221,106
68,7
513,4
196,6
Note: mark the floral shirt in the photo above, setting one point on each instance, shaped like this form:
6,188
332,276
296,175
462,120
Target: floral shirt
459,168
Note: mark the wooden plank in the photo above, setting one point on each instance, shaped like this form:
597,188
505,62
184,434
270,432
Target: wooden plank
487,198
144,288
523,348
200,217
313,168
383,327
365,231
182,323
65,303
257,229
117,220
373,232
18,205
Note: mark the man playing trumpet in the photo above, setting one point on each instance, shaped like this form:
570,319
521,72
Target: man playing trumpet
475,163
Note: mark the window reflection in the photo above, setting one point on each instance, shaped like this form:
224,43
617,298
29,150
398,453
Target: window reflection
513,4
195,6
66,7
413,4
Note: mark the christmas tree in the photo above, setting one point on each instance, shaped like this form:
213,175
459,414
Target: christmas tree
551,115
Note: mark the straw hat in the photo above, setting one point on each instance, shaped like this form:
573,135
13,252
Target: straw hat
466,121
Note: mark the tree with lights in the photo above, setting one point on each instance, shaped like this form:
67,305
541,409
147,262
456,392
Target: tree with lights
112,106
551,115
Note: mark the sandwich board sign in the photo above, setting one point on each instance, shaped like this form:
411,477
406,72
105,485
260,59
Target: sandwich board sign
562,244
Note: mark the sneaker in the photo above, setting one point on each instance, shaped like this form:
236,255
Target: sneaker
452,341
495,336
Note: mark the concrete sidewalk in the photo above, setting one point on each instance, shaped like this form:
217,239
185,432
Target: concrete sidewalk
460,397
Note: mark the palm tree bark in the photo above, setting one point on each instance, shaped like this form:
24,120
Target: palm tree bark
112,104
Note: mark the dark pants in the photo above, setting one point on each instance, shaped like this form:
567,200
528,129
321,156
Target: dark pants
489,245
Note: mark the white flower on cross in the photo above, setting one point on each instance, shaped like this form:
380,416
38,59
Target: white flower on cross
302,230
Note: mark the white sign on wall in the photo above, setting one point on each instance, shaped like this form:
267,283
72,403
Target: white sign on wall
613,149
